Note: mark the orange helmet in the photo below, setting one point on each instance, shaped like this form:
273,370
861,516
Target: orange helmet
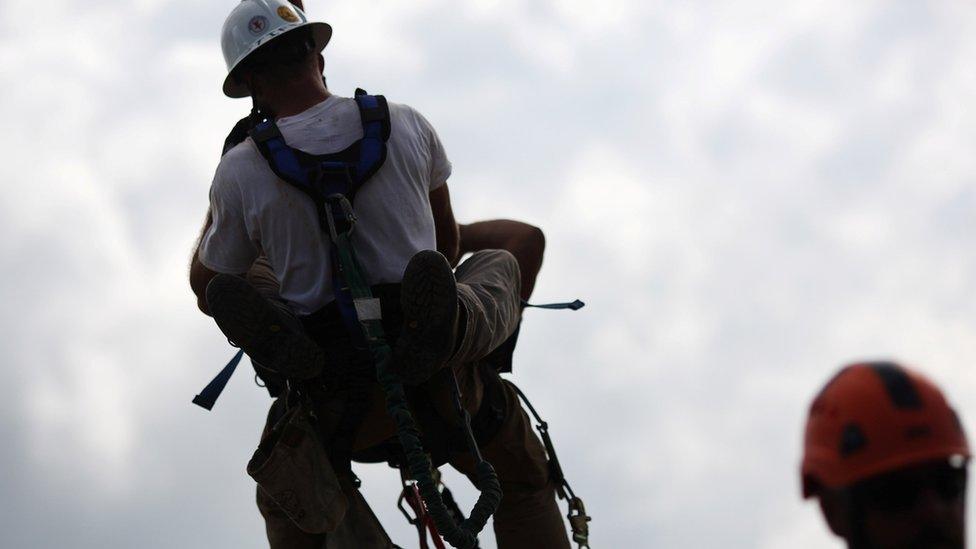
874,418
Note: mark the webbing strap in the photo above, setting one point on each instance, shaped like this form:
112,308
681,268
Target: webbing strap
578,519
374,113
284,159
208,396
341,173
344,299
572,306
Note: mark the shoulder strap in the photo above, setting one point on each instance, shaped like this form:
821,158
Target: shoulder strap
287,163
321,176
374,112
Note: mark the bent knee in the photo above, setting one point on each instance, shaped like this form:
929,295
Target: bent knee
501,259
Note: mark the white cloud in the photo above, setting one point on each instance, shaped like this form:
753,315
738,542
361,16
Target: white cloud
745,195
101,439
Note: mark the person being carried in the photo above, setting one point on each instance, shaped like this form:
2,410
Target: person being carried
886,457
283,311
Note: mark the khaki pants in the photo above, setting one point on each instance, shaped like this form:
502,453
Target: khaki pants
528,517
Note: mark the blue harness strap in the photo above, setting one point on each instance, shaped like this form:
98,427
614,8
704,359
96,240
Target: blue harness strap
572,306
344,172
375,116
322,177
208,396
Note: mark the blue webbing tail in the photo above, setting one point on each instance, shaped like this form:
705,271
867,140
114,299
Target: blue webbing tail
208,396
572,306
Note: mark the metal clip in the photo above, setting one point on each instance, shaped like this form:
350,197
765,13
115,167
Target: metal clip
345,205
405,496
578,520
347,211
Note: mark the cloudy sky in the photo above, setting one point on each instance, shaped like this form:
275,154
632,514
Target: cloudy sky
747,195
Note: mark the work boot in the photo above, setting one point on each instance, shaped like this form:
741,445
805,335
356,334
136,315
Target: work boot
265,333
429,299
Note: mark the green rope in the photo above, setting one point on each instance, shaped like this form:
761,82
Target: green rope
465,534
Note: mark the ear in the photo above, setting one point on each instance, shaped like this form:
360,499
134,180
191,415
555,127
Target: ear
835,507
321,63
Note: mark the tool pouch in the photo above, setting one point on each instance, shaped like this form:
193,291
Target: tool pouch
291,466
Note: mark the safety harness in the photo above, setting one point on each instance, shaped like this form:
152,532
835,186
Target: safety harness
331,181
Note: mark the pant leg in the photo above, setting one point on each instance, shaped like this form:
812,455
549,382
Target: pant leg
262,277
489,283
359,528
528,516
281,531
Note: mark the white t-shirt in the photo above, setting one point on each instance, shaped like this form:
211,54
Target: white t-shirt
254,211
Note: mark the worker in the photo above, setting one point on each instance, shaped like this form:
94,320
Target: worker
886,457
265,270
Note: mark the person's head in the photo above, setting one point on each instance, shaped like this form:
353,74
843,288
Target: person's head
270,45
886,457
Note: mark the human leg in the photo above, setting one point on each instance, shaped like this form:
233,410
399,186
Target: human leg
455,317
528,516
269,334
488,286
357,526
358,530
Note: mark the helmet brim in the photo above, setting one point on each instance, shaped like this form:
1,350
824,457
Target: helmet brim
814,475
321,34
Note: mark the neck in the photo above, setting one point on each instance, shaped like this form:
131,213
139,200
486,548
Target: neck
291,100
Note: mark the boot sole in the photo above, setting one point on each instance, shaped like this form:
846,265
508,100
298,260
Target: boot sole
430,302
253,324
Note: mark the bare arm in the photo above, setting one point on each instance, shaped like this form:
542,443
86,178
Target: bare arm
445,225
526,242
200,275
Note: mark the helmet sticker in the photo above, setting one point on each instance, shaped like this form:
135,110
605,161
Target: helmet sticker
285,13
852,439
257,24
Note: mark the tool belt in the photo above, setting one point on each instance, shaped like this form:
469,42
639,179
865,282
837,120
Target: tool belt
292,468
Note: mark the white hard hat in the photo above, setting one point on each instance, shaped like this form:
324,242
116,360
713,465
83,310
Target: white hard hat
254,23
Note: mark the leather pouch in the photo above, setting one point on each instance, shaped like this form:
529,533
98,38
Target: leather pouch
291,466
